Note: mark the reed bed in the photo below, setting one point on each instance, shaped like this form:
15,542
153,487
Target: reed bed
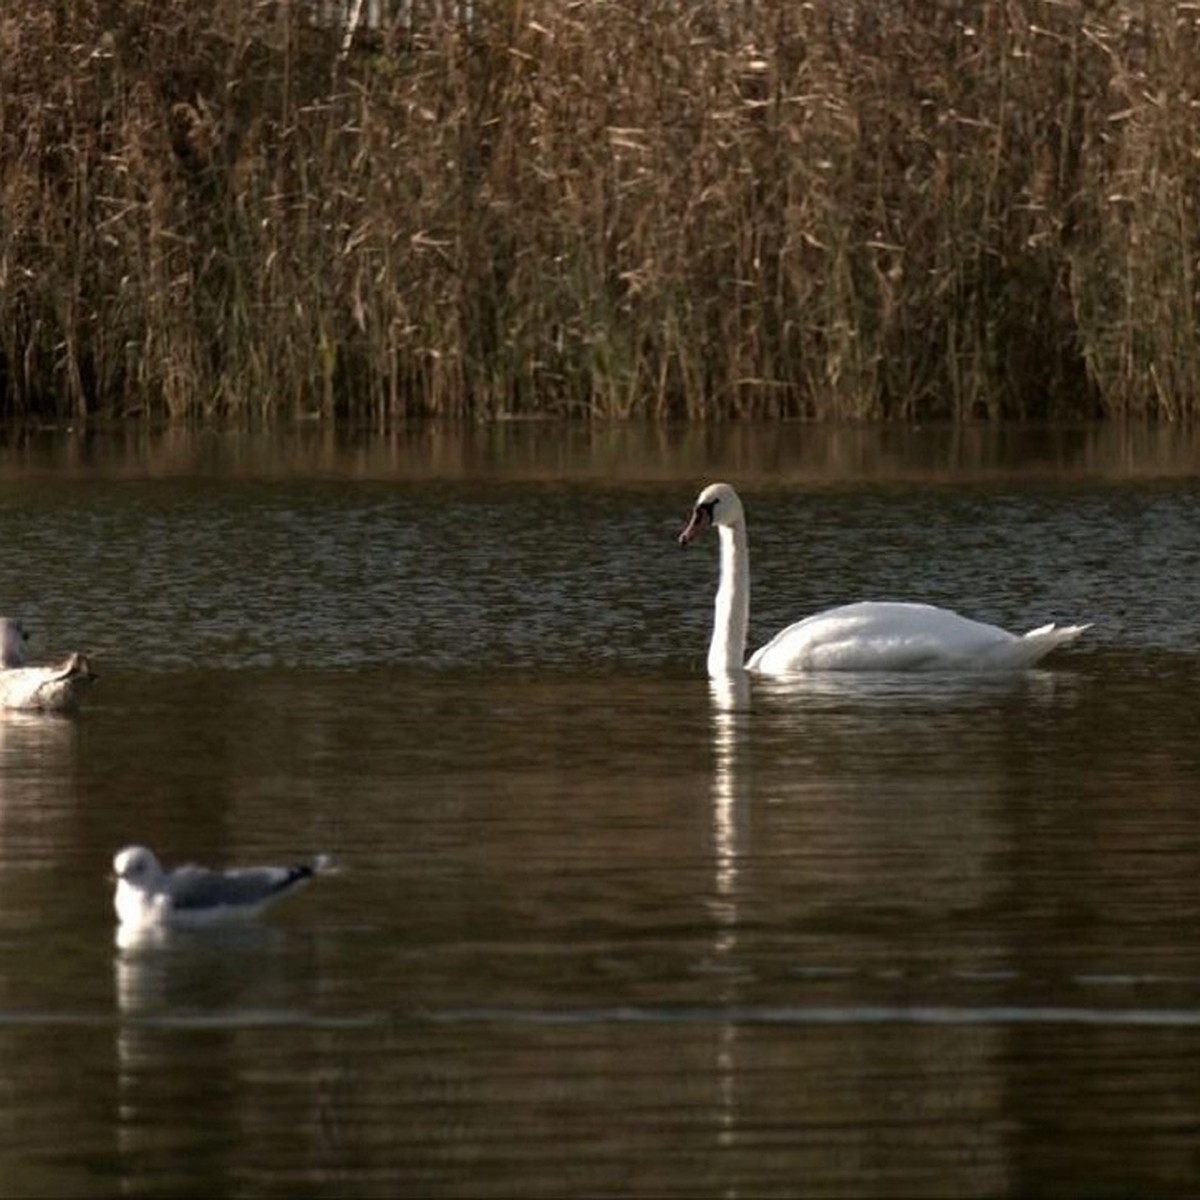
836,209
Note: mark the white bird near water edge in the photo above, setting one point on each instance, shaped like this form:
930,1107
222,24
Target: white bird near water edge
57,688
147,896
867,636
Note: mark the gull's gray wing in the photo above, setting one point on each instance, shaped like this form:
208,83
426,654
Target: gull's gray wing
197,888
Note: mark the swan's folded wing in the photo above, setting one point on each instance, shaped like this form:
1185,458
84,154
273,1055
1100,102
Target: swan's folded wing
901,636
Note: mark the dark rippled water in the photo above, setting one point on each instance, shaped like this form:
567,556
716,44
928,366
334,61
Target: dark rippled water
598,928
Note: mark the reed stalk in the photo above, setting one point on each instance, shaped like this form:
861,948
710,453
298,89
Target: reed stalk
924,210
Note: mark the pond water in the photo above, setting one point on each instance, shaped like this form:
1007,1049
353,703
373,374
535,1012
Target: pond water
600,928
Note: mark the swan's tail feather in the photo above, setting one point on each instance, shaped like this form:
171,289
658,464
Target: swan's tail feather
1037,643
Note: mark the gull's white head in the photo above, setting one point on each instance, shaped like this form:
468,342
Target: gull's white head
137,866
718,505
12,642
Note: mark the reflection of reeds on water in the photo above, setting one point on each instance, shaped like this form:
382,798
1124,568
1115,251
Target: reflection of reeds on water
818,210
634,452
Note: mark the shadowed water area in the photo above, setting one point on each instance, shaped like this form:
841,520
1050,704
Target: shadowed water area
601,928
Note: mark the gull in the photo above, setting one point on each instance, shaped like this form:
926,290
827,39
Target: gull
56,688
147,896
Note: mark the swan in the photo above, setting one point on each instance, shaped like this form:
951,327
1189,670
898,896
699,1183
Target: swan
867,636
55,688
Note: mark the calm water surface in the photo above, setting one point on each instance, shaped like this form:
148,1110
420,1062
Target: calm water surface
600,929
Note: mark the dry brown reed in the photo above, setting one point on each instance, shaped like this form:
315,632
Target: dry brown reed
835,209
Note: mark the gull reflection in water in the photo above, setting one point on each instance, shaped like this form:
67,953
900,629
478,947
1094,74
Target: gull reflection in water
39,811
220,979
159,969
37,756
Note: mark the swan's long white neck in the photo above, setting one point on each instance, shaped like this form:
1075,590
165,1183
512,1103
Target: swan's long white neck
731,612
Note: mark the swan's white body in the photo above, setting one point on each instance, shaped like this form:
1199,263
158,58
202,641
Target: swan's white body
868,636
148,897
55,688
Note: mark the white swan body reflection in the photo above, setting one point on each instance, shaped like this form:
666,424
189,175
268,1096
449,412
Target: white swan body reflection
867,636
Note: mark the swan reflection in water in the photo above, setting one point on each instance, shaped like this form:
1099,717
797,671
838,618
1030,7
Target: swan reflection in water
730,707
878,795
808,692
879,807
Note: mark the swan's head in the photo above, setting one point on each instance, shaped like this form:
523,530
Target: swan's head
12,642
718,504
137,866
